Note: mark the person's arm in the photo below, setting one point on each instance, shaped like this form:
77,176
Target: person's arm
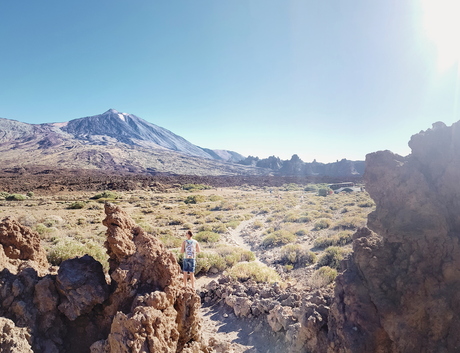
198,249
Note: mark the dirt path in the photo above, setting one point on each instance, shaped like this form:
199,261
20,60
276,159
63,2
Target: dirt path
219,322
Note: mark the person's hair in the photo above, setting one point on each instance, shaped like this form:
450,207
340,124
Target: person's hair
190,233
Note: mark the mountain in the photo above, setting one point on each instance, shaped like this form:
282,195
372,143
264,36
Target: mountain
115,141
111,141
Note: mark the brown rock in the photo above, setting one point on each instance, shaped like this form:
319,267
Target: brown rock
13,339
401,289
21,243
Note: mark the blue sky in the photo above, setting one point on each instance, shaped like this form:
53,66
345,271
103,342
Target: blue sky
323,79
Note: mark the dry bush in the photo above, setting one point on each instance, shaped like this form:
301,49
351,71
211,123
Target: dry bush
256,271
322,277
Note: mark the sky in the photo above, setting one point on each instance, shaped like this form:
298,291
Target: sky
325,80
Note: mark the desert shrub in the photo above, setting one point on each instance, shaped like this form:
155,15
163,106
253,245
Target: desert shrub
311,188
322,224
194,199
30,194
279,237
27,220
207,237
4,195
41,229
257,224
232,224
205,228
69,249
350,223
339,239
324,191
94,206
16,197
52,220
175,221
301,232
256,271
76,205
192,187
215,198
170,241
322,277
206,260
187,226
332,257
291,187
366,204
294,254
234,254
106,195
219,228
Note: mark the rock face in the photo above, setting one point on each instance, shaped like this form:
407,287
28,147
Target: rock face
145,308
20,243
401,289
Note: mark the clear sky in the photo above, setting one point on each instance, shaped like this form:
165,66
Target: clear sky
322,79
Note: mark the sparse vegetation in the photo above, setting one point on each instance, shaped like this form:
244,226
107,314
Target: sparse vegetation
258,272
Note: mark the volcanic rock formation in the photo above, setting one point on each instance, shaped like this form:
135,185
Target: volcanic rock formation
401,288
145,308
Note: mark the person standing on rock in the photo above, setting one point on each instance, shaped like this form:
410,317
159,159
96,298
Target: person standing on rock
190,247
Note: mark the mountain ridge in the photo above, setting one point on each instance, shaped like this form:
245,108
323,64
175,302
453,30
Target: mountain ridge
124,142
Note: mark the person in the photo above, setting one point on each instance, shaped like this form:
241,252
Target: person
190,247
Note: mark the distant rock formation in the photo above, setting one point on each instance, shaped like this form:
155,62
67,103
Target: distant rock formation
401,288
296,167
145,308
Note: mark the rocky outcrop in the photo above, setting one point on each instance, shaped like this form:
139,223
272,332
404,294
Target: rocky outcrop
20,246
296,319
145,307
400,290
149,310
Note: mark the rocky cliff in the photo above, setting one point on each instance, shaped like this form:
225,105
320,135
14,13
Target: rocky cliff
144,308
400,291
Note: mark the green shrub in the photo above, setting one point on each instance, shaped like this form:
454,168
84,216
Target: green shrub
219,228
106,195
4,195
76,205
16,197
322,224
366,204
234,254
207,237
322,277
194,199
294,254
311,188
324,191
170,241
279,237
256,271
232,224
192,187
215,198
69,249
41,229
332,257
301,232
339,239
30,194
257,224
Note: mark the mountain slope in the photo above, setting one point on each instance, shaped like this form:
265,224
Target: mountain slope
129,129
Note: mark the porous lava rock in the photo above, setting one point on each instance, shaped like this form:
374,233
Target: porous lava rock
145,307
149,310
20,243
400,291
13,339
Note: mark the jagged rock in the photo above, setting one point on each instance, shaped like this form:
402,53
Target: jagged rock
20,243
13,339
81,283
400,291
146,308
150,310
